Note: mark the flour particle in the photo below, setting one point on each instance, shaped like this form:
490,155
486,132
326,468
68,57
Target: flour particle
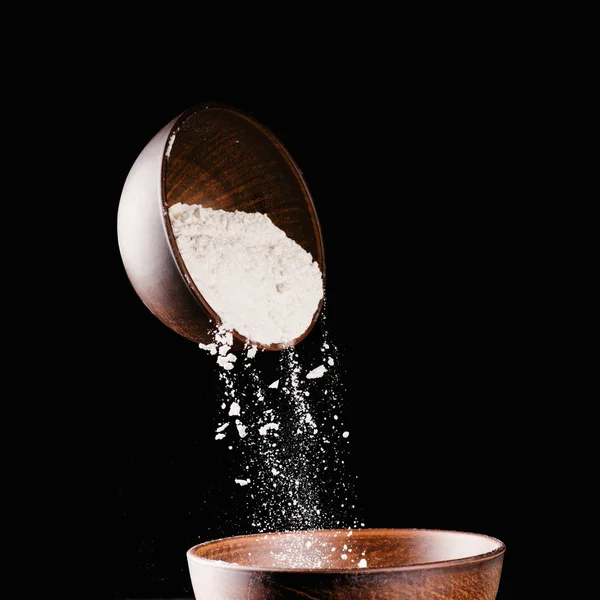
316,373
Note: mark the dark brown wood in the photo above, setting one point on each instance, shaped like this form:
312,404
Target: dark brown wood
403,564
223,159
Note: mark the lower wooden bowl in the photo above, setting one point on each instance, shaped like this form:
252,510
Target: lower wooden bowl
398,564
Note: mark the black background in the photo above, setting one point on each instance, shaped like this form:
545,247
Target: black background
408,181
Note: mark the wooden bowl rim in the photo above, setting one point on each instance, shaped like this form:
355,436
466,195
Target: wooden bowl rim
499,550
168,227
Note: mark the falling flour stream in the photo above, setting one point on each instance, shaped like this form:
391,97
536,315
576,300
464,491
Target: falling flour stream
287,432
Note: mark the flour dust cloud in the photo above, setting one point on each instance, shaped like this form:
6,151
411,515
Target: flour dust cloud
289,444
290,441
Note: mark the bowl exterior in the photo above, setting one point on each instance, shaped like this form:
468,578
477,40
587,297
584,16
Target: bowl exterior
145,249
478,580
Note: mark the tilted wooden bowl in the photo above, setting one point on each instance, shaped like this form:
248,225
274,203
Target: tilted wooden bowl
221,158
402,564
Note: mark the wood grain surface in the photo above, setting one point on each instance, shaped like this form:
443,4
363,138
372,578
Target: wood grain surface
403,564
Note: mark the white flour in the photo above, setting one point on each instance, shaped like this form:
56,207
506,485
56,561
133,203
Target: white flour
316,373
287,437
288,444
258,281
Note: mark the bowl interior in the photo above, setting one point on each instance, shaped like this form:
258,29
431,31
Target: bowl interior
222,159
336,549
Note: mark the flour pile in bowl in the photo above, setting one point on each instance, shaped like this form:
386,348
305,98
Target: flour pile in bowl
259,281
